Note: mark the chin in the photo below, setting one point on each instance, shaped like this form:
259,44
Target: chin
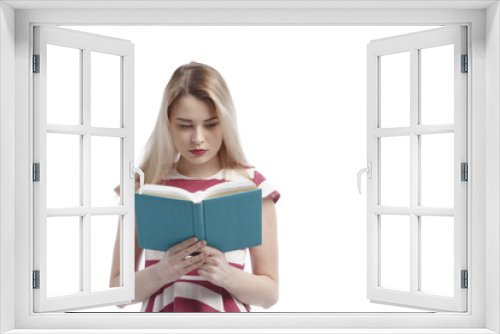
200,161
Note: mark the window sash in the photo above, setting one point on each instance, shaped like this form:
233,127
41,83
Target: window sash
86,43
412,43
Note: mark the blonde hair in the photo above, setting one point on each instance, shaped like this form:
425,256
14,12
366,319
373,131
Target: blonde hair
206,84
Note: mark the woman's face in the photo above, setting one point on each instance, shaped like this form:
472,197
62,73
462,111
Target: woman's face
197,135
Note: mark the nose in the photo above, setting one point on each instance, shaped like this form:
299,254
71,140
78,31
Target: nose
198,136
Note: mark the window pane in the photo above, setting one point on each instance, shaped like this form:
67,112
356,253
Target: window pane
63,85
105,170
437,260
395,171
395,90
103,234
63,255
437,172
395,252
437,85
63,170
105,90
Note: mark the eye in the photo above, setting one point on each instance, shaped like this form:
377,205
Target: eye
212,125
184,127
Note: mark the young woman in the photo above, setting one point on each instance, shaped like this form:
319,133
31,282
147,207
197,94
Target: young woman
195,146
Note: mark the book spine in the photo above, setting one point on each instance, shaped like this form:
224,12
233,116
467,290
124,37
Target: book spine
199,225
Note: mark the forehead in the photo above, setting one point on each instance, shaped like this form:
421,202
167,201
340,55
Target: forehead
191,108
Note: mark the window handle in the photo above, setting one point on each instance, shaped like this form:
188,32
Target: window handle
134,170
368,171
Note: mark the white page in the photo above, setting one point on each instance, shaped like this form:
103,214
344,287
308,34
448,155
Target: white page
197,197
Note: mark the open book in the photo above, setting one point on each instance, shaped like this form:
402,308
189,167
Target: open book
228,216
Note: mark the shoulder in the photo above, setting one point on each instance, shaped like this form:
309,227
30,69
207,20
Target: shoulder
244,173
250,172
256,176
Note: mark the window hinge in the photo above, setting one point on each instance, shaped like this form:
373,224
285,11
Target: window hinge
465,64
36,63
36,172
36,279
464,172
465,279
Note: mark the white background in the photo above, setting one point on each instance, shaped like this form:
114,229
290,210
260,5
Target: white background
300,95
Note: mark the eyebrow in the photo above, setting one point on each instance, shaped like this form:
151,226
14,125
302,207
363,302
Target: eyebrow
190,121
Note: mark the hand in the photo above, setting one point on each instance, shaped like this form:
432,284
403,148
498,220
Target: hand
215,268
177,261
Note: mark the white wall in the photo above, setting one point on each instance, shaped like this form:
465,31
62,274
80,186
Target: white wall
492,164
7,160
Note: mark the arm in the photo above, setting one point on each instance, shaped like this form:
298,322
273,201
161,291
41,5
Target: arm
261,287
172,266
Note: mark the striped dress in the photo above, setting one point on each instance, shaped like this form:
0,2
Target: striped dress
192,293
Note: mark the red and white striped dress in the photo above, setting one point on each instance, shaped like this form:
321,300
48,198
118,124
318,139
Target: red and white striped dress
192,293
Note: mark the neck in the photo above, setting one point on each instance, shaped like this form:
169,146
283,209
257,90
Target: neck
199,171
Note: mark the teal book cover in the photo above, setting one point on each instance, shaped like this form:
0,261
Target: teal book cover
228,216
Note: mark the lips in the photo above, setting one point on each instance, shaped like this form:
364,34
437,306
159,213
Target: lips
198,152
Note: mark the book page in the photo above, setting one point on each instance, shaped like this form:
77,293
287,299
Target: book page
221,189
227,188
168,191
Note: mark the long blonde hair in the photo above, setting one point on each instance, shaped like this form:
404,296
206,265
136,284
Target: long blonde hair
206,84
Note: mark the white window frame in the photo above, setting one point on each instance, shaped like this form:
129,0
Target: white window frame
483,20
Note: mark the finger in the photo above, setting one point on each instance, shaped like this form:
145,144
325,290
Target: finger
193,249
188,265
198,259
192,267
208,272
211,251
210,260
183,245
204,272
210,267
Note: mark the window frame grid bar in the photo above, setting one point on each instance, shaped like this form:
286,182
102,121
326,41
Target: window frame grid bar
414,169
417,129
39,154
86,176
127,220
418,211
379,251
82,211
82,130
461,155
